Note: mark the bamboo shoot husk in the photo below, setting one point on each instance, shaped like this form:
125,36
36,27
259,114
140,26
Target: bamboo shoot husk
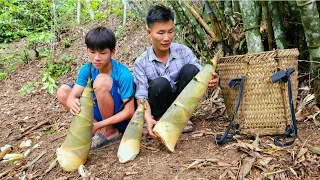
172,123
130,143
76,147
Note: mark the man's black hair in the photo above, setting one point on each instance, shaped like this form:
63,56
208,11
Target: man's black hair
159,13
100,38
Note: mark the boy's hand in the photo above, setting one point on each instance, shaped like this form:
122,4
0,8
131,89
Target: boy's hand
75,107
150,124
96,127
214,80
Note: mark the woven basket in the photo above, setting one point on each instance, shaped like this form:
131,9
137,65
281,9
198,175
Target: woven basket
264,108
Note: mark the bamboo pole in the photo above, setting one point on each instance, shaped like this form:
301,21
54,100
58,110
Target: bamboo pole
266,19
214,23
228,12
277,24
250,14
78,12
311,23
200,20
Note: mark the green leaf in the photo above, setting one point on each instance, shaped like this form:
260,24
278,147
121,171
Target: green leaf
51,80
241,43
45,85
50,131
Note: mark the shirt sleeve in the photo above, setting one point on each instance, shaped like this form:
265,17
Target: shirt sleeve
140,80
192,59
125,83
83,75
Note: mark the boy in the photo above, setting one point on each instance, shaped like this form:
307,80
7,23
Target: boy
164,69
113,86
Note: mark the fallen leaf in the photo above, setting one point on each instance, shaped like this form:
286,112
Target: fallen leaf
302,152
264,161
246,166
196,162
293,172
256,142
197,134
315,150
316,118
223,164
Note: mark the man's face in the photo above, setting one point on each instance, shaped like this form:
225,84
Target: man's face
161,34
100,58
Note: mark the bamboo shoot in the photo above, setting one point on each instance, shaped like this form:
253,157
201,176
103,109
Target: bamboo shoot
130,143
75,149
172,123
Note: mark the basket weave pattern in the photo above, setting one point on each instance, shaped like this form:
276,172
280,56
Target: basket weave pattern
264,108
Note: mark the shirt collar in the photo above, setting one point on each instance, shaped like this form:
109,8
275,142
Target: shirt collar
152,56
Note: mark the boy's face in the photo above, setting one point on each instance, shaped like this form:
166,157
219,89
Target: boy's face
161,34
100,59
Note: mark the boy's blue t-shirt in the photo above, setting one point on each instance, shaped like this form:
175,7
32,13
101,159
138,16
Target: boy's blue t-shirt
120,75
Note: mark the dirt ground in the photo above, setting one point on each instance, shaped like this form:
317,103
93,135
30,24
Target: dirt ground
196,155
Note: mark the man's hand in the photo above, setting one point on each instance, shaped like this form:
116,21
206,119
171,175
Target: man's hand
214,80
75,107
150,124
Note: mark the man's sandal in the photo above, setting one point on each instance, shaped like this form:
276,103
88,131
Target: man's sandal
99,140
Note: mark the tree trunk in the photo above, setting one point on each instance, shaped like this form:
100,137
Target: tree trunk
277,24
250,15
311,23
78,12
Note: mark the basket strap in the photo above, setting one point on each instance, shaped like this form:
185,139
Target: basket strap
129,99
226,137
284,76
90,74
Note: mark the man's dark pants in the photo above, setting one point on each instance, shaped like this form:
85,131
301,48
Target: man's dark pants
160,93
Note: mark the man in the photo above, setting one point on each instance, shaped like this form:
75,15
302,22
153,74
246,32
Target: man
164,69
113,86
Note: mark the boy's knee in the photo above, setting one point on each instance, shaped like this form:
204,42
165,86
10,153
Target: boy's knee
63,93
103,82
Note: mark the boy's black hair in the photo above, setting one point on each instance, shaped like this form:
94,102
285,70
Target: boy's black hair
159,13
100,38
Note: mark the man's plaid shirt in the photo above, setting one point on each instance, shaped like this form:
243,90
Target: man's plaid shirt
147,67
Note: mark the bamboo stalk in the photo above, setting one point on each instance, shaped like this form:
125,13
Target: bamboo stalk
228,12
236,8
250,14
200,20
267,22
214,23
311,23
277,24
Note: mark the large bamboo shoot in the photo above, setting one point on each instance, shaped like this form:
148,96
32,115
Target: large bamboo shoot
172,123
76,147
130,143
